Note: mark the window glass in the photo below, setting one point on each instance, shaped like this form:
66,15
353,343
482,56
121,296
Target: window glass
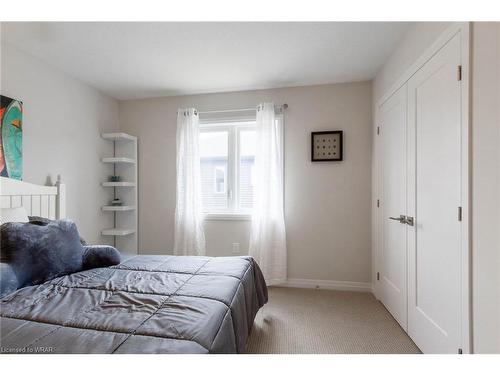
213,165
220,180
227,160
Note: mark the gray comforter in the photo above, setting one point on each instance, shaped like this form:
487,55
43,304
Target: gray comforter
146,304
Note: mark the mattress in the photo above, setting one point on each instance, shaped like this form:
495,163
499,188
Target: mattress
146,304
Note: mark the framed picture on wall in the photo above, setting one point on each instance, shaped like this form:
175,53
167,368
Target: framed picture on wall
326,145
11,138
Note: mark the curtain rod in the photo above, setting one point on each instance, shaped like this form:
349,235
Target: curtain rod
283,106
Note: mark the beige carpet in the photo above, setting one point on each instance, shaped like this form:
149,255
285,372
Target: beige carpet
325,321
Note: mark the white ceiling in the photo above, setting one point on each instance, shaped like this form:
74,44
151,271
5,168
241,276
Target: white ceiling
146,59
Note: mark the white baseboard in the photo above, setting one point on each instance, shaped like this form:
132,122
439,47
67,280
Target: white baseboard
353,286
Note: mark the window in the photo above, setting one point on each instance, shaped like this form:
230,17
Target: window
220,180
227,158
213,166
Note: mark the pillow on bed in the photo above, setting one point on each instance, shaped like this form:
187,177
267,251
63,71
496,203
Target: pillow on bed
40,253
8,280
34,253
16,214
100,256
38,220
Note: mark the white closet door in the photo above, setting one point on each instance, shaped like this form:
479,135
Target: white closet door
393,204
434,197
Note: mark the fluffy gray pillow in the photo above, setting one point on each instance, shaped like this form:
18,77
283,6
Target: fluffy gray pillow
44,221
37,253
8,280
96,256
34,253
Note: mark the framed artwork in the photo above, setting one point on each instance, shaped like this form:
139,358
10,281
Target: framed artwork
326,146
11,138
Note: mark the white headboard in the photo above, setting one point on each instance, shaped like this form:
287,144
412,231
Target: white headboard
38,200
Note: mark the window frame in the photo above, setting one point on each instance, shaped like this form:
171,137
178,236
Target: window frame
233,129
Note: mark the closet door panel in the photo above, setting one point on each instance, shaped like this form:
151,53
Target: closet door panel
434,195
393,204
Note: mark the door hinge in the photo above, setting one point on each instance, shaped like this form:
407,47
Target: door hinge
459,73
378,202
459,350
378,130
459,213
378,276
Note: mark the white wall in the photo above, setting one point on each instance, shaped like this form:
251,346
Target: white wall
486,186
327,204
485,110
62,122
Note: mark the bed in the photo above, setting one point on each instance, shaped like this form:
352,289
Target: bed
145,304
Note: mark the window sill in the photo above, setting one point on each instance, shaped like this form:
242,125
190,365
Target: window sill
228,217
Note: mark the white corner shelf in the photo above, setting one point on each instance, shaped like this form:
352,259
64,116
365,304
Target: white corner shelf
118,184
117,232
118,137
118,208
123,163
118,160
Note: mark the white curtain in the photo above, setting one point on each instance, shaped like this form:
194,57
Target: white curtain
189,234
268,237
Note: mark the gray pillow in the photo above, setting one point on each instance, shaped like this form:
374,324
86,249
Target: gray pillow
38,220
97,256
8,280
32,253
37,253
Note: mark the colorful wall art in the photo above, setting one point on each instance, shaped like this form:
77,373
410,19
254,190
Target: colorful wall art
11,138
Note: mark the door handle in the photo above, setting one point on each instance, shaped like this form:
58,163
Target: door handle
401,219
409,220
404,219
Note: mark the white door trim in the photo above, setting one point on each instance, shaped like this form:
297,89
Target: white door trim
464,29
